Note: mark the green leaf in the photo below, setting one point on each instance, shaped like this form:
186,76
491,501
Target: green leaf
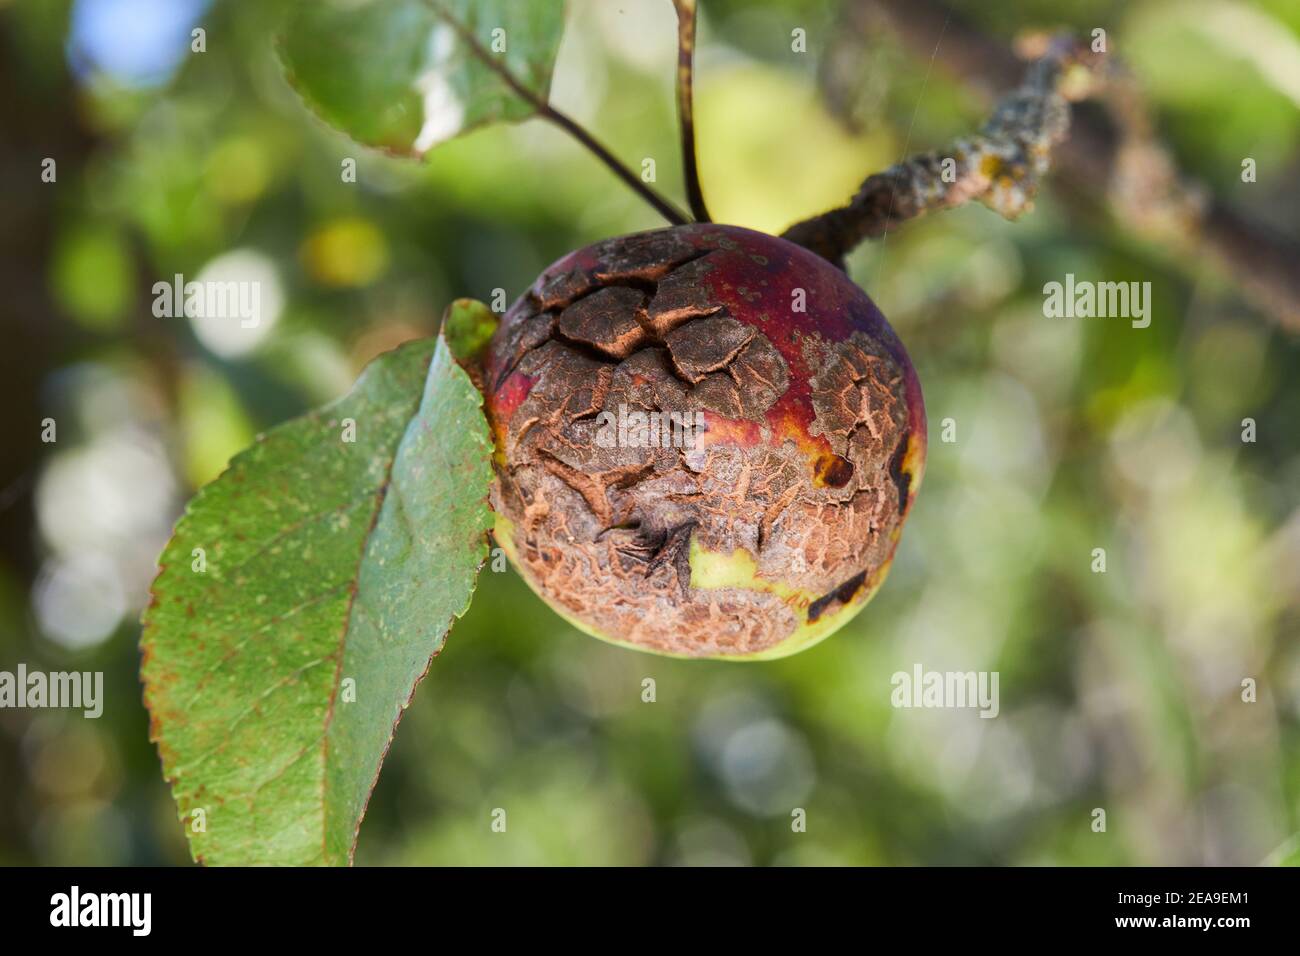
299,603
405,75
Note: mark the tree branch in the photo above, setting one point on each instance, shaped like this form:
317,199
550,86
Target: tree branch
686,17
1112,159
1001,166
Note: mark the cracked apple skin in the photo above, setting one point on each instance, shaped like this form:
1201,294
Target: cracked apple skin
707,441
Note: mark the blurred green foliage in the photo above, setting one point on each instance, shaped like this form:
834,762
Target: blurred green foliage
1119,690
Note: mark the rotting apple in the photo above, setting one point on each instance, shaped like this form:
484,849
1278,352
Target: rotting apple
753,537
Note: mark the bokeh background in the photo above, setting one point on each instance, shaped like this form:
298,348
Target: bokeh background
1119,690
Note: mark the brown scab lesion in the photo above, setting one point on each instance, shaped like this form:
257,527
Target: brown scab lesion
673,551
833,471
707,345
747,386
645,257
522,338
855,388
609,320
643,307
682,295
762,374
901,477
595,487
647,380
633,323
554,292
840,595
642,259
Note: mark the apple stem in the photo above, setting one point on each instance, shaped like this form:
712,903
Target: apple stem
686,17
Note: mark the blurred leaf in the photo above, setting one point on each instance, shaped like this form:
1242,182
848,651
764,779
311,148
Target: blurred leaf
347,252
275,677
212,421
239,170
1245,80
405,75
767,174
1288,854
91,277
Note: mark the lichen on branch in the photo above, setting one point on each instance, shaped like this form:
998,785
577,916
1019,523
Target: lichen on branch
1000,166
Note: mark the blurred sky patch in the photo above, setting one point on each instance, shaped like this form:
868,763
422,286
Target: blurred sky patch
136,42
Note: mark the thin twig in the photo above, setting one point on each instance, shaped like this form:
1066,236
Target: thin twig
1001,166
546,111
666,209
686,17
